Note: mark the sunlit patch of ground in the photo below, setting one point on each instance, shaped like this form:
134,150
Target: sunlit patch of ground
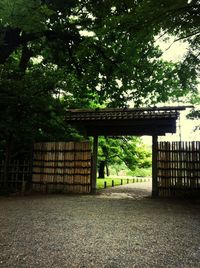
134,191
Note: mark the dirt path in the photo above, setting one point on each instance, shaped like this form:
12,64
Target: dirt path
135,191
121,227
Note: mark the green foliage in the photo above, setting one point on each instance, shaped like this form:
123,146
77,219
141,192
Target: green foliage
130,151
118,61
29,16
194,114
140,172
58,54
30,109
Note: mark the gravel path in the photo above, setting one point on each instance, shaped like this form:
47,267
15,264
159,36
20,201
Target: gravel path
119,227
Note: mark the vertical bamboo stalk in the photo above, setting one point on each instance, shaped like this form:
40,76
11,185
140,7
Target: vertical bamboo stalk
94,163
198,164
185,164
154,166
178,152
23,178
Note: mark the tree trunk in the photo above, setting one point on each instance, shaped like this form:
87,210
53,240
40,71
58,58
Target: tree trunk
102,169
107,170
6,168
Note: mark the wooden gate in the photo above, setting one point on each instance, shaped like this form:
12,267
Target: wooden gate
178,168
62,167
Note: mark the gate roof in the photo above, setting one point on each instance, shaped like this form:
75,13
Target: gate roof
117,122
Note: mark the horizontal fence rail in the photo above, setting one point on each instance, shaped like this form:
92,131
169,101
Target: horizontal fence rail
178,168
62,167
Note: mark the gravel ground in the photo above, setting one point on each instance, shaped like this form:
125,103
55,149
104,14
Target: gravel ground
119,227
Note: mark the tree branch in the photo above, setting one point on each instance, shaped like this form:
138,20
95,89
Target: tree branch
179,39
102,52
12,39
25,57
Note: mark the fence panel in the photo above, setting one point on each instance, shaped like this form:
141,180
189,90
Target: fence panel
62,167
18,175
178,168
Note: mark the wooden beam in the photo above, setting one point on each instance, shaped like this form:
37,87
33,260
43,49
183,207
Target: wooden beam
165,108
94,163
129,127
154,166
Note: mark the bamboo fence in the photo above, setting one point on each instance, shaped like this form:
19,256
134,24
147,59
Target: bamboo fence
62,167
178,168
19,175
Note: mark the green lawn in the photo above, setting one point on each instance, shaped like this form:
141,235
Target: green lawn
118,181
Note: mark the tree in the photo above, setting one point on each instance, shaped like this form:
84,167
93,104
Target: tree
29,111
66,54
194,114
128,150
105,48
118,60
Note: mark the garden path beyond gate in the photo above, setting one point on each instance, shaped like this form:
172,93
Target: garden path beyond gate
62,167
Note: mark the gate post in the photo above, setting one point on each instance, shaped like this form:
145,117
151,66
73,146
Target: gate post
94,163
154,165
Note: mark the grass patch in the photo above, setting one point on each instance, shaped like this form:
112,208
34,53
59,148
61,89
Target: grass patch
117,181
141,172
